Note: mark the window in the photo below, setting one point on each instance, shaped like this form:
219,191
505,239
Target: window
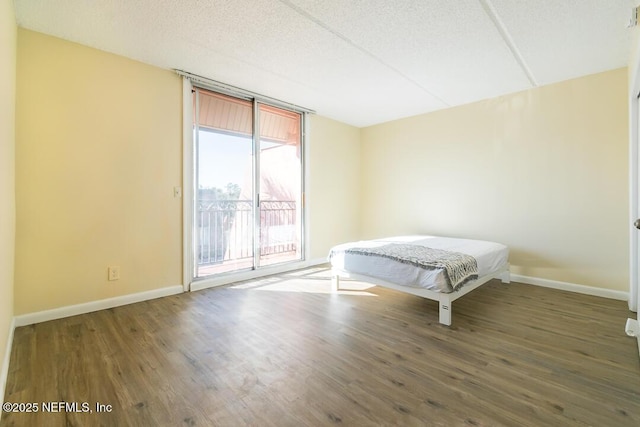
248,184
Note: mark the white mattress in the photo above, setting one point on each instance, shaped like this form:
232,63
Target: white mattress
490,257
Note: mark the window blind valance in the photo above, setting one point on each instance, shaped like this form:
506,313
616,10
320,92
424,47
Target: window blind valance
237,92
233,115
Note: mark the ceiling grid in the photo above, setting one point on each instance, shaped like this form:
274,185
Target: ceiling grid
491,12
361,62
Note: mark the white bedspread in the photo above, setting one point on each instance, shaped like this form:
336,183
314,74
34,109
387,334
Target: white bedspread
489,255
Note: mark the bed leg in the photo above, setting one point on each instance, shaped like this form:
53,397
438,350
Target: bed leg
445,313
335,282
506,276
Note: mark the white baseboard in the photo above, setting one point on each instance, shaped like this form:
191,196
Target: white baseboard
5,362
88,307
73,310
571,287
226,279
317,261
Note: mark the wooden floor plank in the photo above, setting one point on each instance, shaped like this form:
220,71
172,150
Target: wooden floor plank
284,351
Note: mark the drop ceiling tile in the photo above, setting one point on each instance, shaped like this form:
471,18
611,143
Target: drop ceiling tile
452,49
360,62
259,45
560,40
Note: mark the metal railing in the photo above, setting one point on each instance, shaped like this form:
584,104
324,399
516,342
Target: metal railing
225,229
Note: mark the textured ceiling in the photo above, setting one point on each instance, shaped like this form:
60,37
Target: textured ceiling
358,61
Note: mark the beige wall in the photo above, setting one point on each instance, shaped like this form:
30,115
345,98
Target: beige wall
98,152
543,171
7,169
334,185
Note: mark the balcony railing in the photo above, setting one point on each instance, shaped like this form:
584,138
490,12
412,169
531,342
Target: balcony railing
225,229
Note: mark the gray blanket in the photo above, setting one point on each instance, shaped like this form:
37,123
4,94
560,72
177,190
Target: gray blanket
458,268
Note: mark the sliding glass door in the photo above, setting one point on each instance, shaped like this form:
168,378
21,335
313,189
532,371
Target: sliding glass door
280,192
248,207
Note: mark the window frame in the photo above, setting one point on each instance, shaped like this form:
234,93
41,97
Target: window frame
190,282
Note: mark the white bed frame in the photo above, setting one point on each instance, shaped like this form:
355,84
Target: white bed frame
444,299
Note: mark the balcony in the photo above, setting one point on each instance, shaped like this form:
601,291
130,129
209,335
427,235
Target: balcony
225,234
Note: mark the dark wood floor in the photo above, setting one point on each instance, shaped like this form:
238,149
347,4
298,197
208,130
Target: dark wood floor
283,351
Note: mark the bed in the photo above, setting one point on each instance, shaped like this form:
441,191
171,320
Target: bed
437,268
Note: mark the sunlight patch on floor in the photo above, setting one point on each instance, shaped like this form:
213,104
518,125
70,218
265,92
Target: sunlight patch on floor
306,285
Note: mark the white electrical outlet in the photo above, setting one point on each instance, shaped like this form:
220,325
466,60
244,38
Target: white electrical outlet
113,273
